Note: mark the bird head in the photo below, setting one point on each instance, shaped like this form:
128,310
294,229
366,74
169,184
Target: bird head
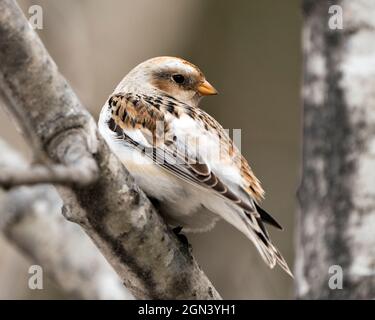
174,76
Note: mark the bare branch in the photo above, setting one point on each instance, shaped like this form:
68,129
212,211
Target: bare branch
113,211
54,173
30,218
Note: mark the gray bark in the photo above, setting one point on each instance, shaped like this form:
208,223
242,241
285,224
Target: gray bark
31,219
337,194
113,211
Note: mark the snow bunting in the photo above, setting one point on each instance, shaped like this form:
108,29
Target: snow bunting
181,156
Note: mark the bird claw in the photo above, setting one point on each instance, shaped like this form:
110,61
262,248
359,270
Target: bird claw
181,237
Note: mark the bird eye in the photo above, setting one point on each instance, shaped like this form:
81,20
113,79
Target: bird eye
178,78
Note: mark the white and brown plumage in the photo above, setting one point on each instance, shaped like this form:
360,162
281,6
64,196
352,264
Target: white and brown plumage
181,156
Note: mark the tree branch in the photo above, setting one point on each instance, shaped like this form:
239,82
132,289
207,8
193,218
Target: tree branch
113,211
54,173
30,218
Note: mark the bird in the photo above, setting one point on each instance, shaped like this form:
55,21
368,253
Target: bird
181,157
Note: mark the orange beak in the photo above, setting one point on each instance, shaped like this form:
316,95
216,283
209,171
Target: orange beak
206,89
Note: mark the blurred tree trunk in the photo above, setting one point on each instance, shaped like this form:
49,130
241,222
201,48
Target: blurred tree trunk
337,193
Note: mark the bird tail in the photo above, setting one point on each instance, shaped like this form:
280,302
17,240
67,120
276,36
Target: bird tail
258,234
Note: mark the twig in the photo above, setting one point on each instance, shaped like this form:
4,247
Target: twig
59,174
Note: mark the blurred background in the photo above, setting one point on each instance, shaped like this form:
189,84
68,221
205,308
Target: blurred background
249,50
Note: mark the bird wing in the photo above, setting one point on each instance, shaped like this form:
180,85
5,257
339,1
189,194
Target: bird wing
142,113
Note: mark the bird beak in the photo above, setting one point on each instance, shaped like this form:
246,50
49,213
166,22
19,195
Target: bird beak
206,89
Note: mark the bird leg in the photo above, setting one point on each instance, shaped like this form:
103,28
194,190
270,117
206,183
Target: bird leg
183,239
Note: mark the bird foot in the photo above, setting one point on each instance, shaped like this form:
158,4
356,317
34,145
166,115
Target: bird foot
183,239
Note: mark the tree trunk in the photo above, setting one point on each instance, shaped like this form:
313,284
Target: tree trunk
337,192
